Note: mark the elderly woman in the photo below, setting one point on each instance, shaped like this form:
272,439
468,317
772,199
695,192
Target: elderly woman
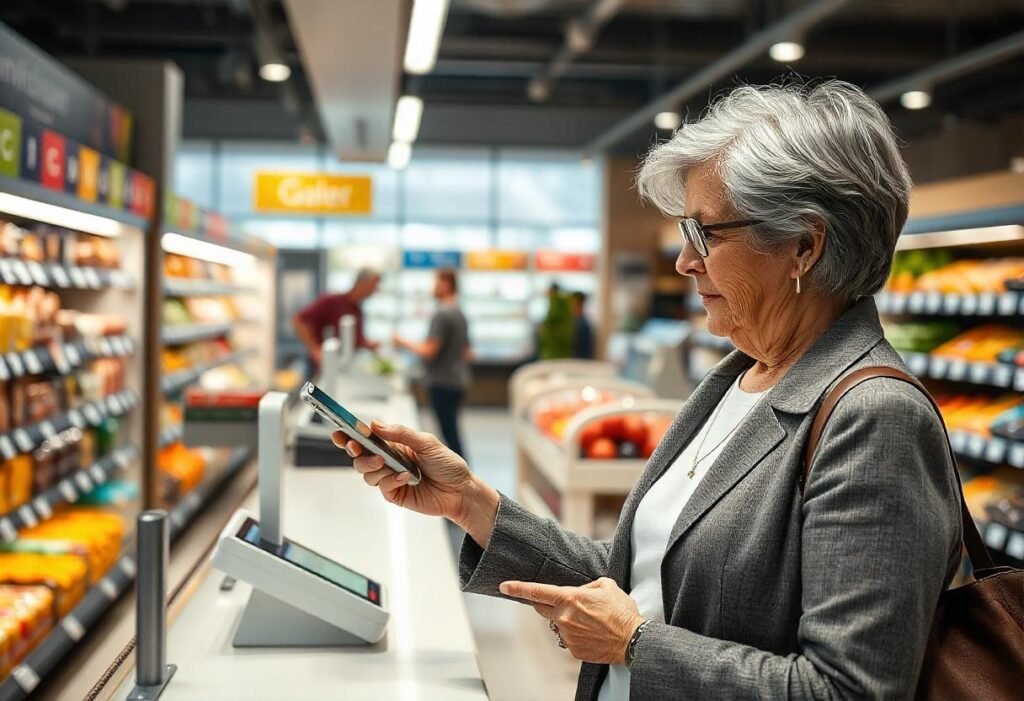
724,580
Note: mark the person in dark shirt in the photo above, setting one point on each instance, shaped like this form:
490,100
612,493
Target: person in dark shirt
582,333
325,312
445,354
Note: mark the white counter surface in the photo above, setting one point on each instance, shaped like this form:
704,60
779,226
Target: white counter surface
428,653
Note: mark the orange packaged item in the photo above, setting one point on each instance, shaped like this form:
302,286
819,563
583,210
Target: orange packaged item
64,575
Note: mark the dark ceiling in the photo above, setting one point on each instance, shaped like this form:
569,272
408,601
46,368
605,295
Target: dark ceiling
491,48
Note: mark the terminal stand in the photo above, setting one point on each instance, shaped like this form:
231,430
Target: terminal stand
268,621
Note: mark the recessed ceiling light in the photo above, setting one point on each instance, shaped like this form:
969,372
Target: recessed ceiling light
786,51
275,72
668,121
916,99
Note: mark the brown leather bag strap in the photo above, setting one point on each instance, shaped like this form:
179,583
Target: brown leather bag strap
976,550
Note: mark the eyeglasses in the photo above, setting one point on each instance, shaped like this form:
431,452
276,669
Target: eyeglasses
697,234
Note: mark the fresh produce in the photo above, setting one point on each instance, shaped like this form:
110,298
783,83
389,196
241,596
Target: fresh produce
602,449
978,413
982,343
920,337
935,271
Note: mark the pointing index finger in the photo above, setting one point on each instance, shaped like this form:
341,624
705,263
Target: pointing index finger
532,591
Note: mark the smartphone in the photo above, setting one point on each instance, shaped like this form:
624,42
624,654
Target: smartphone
358,431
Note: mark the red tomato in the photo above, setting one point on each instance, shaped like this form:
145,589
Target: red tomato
634,429
590,433
602,449
613,427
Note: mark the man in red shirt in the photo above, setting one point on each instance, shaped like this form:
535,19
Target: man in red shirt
325,312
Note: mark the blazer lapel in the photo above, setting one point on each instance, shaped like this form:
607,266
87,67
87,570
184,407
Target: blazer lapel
691,417
757,436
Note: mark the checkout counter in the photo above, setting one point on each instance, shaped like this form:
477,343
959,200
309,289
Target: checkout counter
427,652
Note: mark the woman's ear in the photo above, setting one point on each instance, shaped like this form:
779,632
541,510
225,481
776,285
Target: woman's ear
810,248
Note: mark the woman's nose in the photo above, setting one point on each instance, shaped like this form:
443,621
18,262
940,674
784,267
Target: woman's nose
689,261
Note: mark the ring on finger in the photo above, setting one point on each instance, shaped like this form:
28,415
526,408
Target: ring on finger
558,636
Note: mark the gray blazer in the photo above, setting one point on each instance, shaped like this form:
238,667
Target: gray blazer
770,595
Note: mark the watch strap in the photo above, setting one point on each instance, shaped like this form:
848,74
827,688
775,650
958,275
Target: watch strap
633,640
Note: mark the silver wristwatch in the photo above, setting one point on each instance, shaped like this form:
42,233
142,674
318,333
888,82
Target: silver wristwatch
631,647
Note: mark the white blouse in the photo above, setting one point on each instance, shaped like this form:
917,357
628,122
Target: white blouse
657,513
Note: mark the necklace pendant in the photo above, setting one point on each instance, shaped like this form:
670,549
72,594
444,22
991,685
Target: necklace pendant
693,470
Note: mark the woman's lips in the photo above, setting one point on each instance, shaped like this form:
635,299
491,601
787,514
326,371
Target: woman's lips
709,298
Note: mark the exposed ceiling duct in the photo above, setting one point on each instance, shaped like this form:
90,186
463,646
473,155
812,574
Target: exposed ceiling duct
756,45
352,53
965,63
580,34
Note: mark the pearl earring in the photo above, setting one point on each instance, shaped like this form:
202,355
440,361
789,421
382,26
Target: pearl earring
798,284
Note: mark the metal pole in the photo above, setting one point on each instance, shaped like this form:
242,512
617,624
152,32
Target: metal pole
151,598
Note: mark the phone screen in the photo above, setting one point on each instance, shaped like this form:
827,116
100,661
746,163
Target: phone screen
344,415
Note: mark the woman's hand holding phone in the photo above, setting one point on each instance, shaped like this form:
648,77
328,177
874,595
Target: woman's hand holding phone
448,488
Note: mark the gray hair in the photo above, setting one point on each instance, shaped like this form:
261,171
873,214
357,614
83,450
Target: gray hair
365,275
796,157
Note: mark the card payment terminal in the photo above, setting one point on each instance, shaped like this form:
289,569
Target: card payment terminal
301,578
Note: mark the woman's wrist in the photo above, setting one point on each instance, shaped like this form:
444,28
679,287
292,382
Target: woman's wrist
478,511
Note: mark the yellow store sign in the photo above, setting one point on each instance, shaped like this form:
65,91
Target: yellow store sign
312,193
496,260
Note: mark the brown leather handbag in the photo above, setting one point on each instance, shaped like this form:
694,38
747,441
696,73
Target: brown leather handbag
976,645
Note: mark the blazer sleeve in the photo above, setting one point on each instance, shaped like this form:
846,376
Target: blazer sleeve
881,527
527,548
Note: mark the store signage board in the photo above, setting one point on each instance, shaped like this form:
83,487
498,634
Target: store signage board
35,85
312,193
431,260
558,261
496,260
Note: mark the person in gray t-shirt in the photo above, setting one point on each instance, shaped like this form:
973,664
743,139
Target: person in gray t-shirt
445,355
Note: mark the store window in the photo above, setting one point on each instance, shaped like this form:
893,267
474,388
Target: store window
453,186
194,173
535,189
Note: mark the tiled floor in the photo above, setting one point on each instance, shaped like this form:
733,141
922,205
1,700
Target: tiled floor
518,656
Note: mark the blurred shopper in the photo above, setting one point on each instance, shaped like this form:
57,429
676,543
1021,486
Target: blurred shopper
582,332
322,317
555,335
445,355
728,577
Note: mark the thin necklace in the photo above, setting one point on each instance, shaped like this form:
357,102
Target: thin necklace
698,460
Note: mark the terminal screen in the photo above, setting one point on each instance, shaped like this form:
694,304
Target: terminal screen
314,563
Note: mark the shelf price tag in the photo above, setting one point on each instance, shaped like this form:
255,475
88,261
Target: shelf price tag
72,354
1015,546
976,446
950,304
7,530
24,441
68,491
916,302
958,440
995,450
15,364
1016,455
4,372
986,304
75,416
92,278
108,588
38,274
933,302
28,516
979,373
21,271
1018,380
969,305
32,362
939,368
958,370
897,303
127,566
7,272
42,508
1008,303
77,277
105,347
73,627
60,276
995,535
99,476
92,414
84,482
48,430
7,447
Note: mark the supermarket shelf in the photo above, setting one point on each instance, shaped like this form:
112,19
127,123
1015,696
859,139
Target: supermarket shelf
171,435
70,356
33,191
1000,233
25,440
1000,375
187,333
994,450
194,287
14,271
99,598
67,491
937,304
195,501
177,381
596,476
1003,541
705,339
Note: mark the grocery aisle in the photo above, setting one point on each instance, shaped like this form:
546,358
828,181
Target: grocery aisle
517,655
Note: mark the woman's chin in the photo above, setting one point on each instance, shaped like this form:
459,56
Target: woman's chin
717,326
